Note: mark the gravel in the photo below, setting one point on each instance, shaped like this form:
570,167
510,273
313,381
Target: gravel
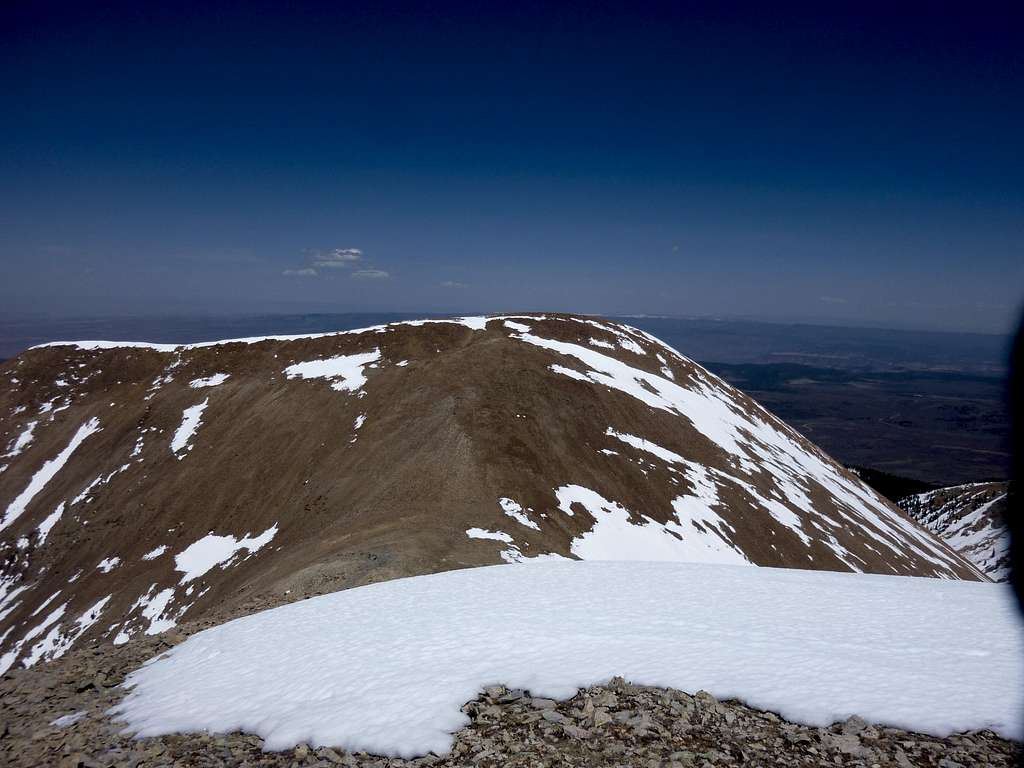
618,724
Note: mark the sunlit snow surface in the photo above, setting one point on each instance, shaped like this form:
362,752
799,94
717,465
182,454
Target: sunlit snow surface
511,508
345,372
153,554
47,472
191,418
22,441
386,667
210,381
615,535
213,550
47,525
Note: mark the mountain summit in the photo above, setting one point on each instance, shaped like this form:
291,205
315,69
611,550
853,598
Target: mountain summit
143,482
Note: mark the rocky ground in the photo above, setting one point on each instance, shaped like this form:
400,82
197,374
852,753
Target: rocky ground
615,725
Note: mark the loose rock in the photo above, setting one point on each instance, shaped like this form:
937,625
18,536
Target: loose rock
616,725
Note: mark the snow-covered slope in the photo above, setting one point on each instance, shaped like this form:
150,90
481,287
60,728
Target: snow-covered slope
143,484
385,668
970,519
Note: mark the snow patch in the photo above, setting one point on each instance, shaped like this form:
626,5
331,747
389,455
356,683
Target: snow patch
386,667
345,372
153,609
47,525
42,605
191,418
66,721
646,445
513,510
22,441
213,550
8,659
210,381
153,554
617,534
56,644
481,533
47,472
101,480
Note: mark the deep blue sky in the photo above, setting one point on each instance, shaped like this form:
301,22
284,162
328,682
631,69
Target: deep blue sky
860,165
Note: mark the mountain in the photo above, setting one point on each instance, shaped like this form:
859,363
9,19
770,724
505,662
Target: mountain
143,483
970,518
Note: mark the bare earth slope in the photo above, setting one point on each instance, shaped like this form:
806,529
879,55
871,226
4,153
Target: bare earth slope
146,483
970,519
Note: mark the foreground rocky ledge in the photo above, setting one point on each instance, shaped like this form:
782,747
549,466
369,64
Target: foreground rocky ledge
614,725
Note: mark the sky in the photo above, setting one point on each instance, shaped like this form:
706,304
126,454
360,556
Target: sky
852,164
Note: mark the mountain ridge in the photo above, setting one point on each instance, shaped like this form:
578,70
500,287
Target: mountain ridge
195,479
971,518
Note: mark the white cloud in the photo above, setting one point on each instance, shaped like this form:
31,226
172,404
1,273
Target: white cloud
337,257
453,284
832,300
370,274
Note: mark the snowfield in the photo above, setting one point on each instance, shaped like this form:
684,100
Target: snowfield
385,668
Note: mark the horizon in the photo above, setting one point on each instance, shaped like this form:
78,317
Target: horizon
780,320
857,168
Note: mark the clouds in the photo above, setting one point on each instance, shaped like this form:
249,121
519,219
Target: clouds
453,284
337,258
326,262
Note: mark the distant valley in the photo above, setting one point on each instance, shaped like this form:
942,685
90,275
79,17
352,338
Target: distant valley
942,428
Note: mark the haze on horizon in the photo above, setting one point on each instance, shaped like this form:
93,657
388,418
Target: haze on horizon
851,166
